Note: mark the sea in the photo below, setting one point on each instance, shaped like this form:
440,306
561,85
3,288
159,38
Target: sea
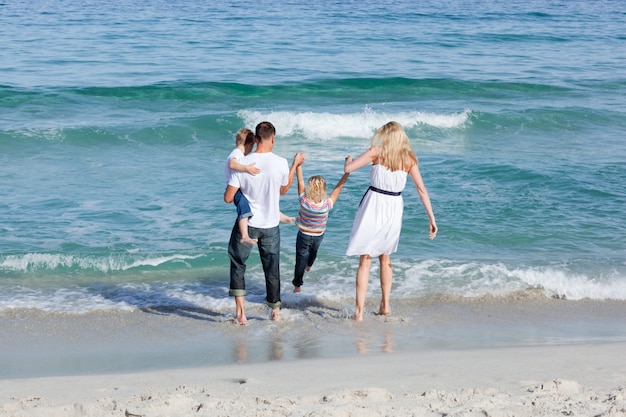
116,118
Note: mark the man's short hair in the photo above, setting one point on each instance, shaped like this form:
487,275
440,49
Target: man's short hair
265,130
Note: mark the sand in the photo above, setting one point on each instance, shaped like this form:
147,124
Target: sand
379,375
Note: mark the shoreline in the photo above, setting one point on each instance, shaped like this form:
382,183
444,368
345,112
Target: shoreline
520,381
435,357
39,344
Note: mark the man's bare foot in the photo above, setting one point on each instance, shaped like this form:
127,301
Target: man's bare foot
307,268
248,241
296,289
276,314
241,319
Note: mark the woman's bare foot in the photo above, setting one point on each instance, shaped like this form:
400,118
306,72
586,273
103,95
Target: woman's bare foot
358,316
296,289
383,310
248,241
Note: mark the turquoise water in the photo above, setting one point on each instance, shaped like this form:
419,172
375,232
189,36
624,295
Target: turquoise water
115,120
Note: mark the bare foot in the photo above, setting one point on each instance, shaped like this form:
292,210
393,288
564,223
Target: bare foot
241,319
308,268
248,241
358,316
296,289
276,314
286,219
383,311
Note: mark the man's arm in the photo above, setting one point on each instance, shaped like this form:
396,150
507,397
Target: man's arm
298,160
229,194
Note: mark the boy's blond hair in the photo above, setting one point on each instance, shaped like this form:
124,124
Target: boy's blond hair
316,188
395,149
242,135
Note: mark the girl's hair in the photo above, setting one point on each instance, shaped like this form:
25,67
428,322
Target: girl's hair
316,188
244,136
395,149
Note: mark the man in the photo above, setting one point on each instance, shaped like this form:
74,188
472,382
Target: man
263,192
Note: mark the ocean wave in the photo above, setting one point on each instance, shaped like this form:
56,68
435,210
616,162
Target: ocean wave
328,126
49,262
332,284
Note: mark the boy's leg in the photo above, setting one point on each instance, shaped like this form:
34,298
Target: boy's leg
243,229
243,213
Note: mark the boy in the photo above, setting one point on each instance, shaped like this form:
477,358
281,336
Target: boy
244,142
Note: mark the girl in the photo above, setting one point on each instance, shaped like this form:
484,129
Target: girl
311,220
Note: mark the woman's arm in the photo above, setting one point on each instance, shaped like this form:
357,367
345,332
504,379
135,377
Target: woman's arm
369,156
414,172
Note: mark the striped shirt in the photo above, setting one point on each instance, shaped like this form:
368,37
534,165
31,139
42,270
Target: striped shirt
313,216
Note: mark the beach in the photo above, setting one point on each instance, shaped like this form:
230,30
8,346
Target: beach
418,362
116,119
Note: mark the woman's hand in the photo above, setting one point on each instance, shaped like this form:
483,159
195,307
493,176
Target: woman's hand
433,230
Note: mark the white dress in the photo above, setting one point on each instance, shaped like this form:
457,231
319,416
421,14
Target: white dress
378,221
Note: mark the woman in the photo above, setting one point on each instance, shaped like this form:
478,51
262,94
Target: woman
376,228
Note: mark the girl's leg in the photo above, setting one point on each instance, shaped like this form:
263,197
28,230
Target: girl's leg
362,279
385,283
302,254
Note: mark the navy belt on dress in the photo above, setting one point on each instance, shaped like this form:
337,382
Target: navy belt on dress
378,190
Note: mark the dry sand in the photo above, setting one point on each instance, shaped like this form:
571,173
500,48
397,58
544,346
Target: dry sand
583,380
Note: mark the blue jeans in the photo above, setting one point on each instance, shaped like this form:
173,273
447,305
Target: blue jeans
243,207
269,252
306,252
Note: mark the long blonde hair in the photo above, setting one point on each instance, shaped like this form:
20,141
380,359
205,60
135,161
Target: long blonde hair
316,188
396,152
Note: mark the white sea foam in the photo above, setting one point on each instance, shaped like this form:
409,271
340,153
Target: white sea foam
48,262
328,126
329,282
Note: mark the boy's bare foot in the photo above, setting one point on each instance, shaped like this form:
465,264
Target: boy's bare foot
276,314
296,289
241,319
248,241
286,219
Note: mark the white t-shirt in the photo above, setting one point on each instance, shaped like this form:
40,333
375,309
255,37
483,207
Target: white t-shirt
235,154
263,190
